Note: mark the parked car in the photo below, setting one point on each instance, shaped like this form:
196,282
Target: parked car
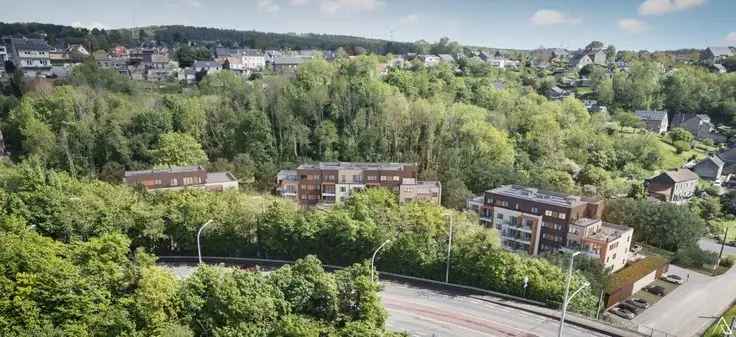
672,278
618,311
731,243
638,302
656,290
630,307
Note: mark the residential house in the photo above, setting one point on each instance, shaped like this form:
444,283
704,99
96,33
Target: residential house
560,55
427,191
556,93
287,63
3,59
593,106
699,125
536,222
118,63
287,184
719,68
181,177
335,182
710,168
655,121
673,186
503,63
430,60
206,67
585,58
119,51
29,55
253,60
713,55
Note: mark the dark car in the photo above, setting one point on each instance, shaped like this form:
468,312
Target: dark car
656,290
731,243
638,302
623,313
630,307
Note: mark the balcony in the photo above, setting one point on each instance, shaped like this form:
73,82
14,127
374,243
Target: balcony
518,227
583,250
518,237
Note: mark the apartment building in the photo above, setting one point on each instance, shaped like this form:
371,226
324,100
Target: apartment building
181,177
335,182
29,55
535,222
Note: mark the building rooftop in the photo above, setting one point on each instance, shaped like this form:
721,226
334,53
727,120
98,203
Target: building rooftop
30,44
354,166
651,115
533,194
681,175
721,51
609,232
173,169
290,60
220,177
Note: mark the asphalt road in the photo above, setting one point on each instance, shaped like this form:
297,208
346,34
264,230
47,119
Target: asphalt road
422,312
692,307
713,246
432,313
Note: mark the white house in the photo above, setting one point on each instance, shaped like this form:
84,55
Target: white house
30,55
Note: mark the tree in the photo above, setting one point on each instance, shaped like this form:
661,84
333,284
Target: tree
682,135
610,53
179,149
594,45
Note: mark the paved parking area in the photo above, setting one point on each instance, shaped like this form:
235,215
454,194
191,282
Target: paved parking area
690,308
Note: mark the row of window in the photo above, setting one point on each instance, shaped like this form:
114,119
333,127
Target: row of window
534,210
551,237
555,226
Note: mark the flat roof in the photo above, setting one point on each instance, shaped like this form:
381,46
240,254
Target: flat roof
171,169
609,232
533,194
354,166
220,177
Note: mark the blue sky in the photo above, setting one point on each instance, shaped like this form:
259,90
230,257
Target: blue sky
627,24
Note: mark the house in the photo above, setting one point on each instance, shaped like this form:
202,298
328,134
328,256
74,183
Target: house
713,55
699,125
655,121
673,186
719,68
253,60
430,60
536,222
560,54
181,177
503,63
287,63
557,93
3,58
710,168
335,182
593,106
587,57
206,67
120,64
287,184
29,55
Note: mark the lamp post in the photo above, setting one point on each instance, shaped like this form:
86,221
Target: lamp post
449,248
199,246
373,259
566,299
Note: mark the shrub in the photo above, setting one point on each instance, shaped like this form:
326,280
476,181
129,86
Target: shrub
693,257
681,146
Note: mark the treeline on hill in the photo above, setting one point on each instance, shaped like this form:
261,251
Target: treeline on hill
173,35
247,225
462,130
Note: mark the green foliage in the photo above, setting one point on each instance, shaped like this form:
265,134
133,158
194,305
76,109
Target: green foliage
680,134
663,225
693,257
179,149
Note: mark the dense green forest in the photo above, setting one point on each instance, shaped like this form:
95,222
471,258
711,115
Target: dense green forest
174,35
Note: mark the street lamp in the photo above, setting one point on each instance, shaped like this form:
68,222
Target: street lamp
566,299
449,248
373,259
199,247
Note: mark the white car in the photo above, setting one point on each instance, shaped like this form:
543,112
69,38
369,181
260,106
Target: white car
672,278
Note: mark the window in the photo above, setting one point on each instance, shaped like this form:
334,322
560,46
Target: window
548,213
174,182
188,180
562,216
384,178
499,216
343,189
535,210
357,179
157,182
397,178
371,178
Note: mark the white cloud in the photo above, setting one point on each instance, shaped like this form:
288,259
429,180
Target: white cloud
334,6
544,17
660,7
731,37
409,19
90,26
298,2
632,25
268,6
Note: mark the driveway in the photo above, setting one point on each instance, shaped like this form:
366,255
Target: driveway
689,309
713,246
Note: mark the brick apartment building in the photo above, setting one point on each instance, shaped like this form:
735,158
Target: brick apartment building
335,182
535,222
181,177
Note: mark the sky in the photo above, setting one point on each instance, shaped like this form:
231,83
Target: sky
518,24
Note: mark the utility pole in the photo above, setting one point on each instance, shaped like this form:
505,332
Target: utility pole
449,248
199,247
720,255
567,293
373,258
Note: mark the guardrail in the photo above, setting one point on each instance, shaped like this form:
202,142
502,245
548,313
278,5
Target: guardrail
543,309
